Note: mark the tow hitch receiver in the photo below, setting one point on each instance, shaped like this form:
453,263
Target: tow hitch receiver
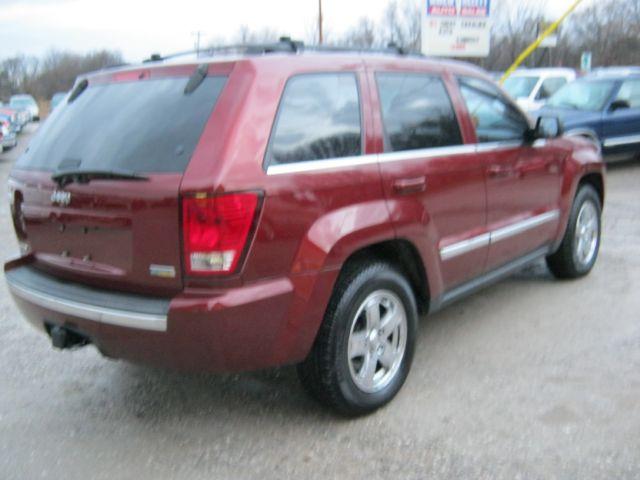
64,338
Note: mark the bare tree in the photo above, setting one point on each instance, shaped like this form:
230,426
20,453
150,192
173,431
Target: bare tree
401,24
363,35
56,71
246,36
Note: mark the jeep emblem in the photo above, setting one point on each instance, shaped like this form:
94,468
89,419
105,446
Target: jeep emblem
61,198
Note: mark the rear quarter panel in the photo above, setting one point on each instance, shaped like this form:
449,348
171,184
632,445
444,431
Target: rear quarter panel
310,222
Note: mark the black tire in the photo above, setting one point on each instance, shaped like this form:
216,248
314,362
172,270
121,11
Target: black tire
326,373
565,262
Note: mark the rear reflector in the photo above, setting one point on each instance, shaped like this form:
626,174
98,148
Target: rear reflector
215,231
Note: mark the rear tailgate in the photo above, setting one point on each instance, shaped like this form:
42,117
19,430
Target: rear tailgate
116,233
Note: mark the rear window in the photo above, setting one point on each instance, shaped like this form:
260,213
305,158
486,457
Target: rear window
417,112
318,119
145,126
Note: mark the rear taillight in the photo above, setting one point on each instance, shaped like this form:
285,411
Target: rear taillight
216,230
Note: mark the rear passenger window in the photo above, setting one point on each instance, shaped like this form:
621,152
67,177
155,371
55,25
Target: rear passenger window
318,118
416,112
496,119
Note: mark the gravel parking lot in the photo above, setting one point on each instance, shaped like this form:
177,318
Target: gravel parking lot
532,379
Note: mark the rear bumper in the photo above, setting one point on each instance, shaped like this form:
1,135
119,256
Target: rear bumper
63,298
265,324
10,141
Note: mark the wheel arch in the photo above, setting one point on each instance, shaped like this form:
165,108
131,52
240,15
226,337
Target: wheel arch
587,133
596,180
402,254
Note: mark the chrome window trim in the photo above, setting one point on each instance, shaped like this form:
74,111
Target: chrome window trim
487,239
494,146
387,157
620,141
111,316
326,164
424,153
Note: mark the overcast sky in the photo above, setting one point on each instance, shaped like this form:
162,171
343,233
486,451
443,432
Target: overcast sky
139,27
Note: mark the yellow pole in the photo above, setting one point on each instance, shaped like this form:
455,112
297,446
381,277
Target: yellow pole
531,48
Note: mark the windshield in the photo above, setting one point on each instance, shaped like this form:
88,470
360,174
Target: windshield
520,87
583,95
21,102
143,126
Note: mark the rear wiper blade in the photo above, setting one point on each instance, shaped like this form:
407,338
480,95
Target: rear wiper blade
66,177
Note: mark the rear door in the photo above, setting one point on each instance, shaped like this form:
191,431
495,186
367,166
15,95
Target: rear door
117,233
523,180
433,182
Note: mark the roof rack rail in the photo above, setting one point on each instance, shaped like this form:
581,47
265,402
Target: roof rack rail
283,45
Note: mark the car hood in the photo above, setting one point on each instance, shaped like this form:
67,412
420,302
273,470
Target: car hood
570,118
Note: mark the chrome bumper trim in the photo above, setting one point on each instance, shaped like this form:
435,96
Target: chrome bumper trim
111,316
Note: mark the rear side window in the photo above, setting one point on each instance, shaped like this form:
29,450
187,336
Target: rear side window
146,126
417,112
496,119
318,118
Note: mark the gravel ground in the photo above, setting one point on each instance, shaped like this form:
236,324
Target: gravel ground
530,379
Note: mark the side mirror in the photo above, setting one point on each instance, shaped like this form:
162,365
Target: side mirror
619,105
546,127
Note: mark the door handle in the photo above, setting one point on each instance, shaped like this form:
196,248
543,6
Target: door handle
407,186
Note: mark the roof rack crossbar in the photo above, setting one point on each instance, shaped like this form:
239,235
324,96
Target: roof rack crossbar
284,45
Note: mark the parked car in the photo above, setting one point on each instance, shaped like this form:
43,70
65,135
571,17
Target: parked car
14,118
533,87
8,137
56,99
26,102
252,211
616,71
20,117
604,108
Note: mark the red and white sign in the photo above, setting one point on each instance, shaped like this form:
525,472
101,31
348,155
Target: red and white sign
456,28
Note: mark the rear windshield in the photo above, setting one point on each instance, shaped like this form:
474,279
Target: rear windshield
145,126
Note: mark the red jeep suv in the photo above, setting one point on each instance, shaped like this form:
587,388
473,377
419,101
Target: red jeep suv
277,207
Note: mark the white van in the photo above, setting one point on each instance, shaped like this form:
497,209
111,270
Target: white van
532,87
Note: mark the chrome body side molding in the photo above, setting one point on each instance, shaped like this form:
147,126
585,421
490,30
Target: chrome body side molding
621,141
465,246
486,239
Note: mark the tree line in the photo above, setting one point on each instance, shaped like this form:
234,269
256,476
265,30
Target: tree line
54,72
609,29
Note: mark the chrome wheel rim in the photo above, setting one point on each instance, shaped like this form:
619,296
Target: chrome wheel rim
586,237
377,341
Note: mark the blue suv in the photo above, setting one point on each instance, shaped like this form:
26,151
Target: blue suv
603,107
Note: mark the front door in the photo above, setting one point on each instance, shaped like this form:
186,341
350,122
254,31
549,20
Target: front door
621,127
523,180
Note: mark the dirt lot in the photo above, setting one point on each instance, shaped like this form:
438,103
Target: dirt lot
530,379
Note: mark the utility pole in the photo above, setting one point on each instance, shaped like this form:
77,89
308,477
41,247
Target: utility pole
197,34
320,35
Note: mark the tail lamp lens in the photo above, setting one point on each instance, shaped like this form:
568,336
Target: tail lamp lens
215,231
